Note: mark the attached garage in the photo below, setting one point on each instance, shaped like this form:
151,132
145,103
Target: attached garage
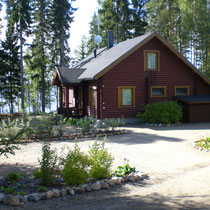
195,108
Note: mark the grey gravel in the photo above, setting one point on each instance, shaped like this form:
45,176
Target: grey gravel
179,175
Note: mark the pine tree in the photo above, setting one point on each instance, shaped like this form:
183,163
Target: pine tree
19,20
61,12
82,51
10,70
190,27
126,19
40,42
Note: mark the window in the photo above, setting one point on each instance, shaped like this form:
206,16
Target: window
182,90
126,96
92,96
151,60
158,91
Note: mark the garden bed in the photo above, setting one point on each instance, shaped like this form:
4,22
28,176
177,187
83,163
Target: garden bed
71,136
28,189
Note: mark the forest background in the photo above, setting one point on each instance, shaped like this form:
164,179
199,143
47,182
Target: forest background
35,38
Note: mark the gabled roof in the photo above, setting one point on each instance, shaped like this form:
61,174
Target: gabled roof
67,75
92,68
108,57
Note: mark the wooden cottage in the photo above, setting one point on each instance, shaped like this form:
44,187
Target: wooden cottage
117,81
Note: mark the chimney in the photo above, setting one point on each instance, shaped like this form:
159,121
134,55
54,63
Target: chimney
110,39
94,51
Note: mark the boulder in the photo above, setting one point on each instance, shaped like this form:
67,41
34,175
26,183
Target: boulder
131,178
49,194
80,189
11,200
2,195
96,186
56,193
34,197
117,180
104,185
111,182
88,188
70,190
63,192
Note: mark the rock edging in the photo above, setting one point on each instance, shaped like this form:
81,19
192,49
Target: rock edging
16,200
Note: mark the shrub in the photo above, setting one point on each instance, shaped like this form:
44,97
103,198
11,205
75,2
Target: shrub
204,143
37,174
14,176
123,170
21,193
100,161
72,121
44,126
75,166
9,133
85,124
48,165
113,123
60,126
163,112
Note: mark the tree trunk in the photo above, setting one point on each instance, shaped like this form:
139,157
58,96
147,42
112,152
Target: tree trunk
21,68
62,48
169,7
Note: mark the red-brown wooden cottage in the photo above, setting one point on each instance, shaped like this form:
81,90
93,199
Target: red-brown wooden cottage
117,81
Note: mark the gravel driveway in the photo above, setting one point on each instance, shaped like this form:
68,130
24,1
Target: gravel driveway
179,174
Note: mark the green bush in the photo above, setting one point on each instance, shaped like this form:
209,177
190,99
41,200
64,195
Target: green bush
37,174
100,161
163,112
204,143
14,176
44,126
85,124
123,170
9,133
48,165
113,123
75,166
72,121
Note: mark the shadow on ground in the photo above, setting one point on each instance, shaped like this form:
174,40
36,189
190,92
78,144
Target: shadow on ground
21,168
117,198
140,138
183,126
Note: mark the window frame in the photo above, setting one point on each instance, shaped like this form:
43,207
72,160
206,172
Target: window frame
120,96
91,88
188,90
158,96
157,52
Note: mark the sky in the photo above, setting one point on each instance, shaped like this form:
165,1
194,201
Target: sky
83,17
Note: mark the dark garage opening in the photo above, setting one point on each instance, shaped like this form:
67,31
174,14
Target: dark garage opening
195,108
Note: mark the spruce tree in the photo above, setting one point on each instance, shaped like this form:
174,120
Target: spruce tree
10,70
19,20
127,19
61,12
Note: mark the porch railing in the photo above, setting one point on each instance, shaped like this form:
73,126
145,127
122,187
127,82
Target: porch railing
71,112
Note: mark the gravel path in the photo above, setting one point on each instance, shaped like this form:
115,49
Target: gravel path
179,174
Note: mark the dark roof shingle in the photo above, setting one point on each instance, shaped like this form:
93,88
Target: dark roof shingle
69,75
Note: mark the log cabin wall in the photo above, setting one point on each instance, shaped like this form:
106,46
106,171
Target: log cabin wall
130,72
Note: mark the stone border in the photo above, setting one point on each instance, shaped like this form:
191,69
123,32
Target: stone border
162,125
16,200
73,136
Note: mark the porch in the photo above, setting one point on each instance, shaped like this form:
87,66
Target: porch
75,98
